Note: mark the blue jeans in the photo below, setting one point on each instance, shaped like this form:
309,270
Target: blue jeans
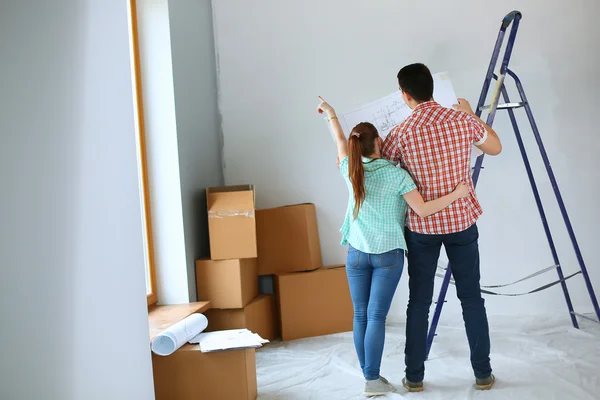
463,252
373,279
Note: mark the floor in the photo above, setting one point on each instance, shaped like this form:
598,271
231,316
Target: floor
533,358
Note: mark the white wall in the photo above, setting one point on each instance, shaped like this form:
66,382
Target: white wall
198,121
71,250
163,152
274,59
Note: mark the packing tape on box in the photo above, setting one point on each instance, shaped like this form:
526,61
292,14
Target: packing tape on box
231,213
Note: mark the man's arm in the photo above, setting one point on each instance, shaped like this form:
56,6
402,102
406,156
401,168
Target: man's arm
490,143
426,208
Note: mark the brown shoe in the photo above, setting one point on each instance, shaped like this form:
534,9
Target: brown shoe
412,386
485,383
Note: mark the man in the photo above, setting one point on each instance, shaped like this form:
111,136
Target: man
434,144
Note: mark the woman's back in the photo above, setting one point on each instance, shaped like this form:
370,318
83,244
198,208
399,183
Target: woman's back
379,225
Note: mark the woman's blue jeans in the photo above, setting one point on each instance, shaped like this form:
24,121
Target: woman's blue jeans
373,279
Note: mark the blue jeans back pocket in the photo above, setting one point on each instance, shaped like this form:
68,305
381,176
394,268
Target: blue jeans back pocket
386,260
353,257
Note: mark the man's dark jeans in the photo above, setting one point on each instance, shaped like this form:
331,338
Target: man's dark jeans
463,252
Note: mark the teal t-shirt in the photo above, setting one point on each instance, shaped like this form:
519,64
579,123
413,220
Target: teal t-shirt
379,227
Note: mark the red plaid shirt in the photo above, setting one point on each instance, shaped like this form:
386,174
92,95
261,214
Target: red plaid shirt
434,145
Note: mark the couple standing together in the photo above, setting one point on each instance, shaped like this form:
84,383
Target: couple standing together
433,147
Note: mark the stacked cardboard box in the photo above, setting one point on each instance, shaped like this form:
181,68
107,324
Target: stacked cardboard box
288,239
297,297
259,316
313,300
314,303
310,300
189,374
231,222
229,279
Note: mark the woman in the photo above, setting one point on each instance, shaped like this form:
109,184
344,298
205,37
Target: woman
374,232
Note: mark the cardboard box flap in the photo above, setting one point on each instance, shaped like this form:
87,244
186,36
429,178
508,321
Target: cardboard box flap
231,201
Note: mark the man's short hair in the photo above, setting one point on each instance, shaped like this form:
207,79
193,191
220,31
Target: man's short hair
417,81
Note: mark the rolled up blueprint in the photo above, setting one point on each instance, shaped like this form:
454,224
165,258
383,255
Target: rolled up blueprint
172,338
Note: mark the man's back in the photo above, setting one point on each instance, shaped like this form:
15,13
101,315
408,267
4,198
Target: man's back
434,144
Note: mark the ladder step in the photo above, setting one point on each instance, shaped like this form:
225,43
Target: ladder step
505,106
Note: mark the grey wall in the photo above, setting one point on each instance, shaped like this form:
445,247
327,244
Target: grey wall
198,122
71,255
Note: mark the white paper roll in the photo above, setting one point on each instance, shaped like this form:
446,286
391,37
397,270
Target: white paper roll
168,341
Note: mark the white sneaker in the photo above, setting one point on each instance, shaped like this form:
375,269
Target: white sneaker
378,387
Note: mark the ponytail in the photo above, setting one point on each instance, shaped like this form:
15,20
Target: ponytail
356,172
361,144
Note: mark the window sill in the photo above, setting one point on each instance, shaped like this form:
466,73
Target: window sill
152,299
162,317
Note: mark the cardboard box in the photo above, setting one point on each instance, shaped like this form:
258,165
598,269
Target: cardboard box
314,303
288,239
227,283
260,316
231,222
189,374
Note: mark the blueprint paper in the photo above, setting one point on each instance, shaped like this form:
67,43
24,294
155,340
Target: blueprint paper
391,110
174,337
228,340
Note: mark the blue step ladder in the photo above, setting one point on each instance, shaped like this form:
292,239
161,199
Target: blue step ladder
514,18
